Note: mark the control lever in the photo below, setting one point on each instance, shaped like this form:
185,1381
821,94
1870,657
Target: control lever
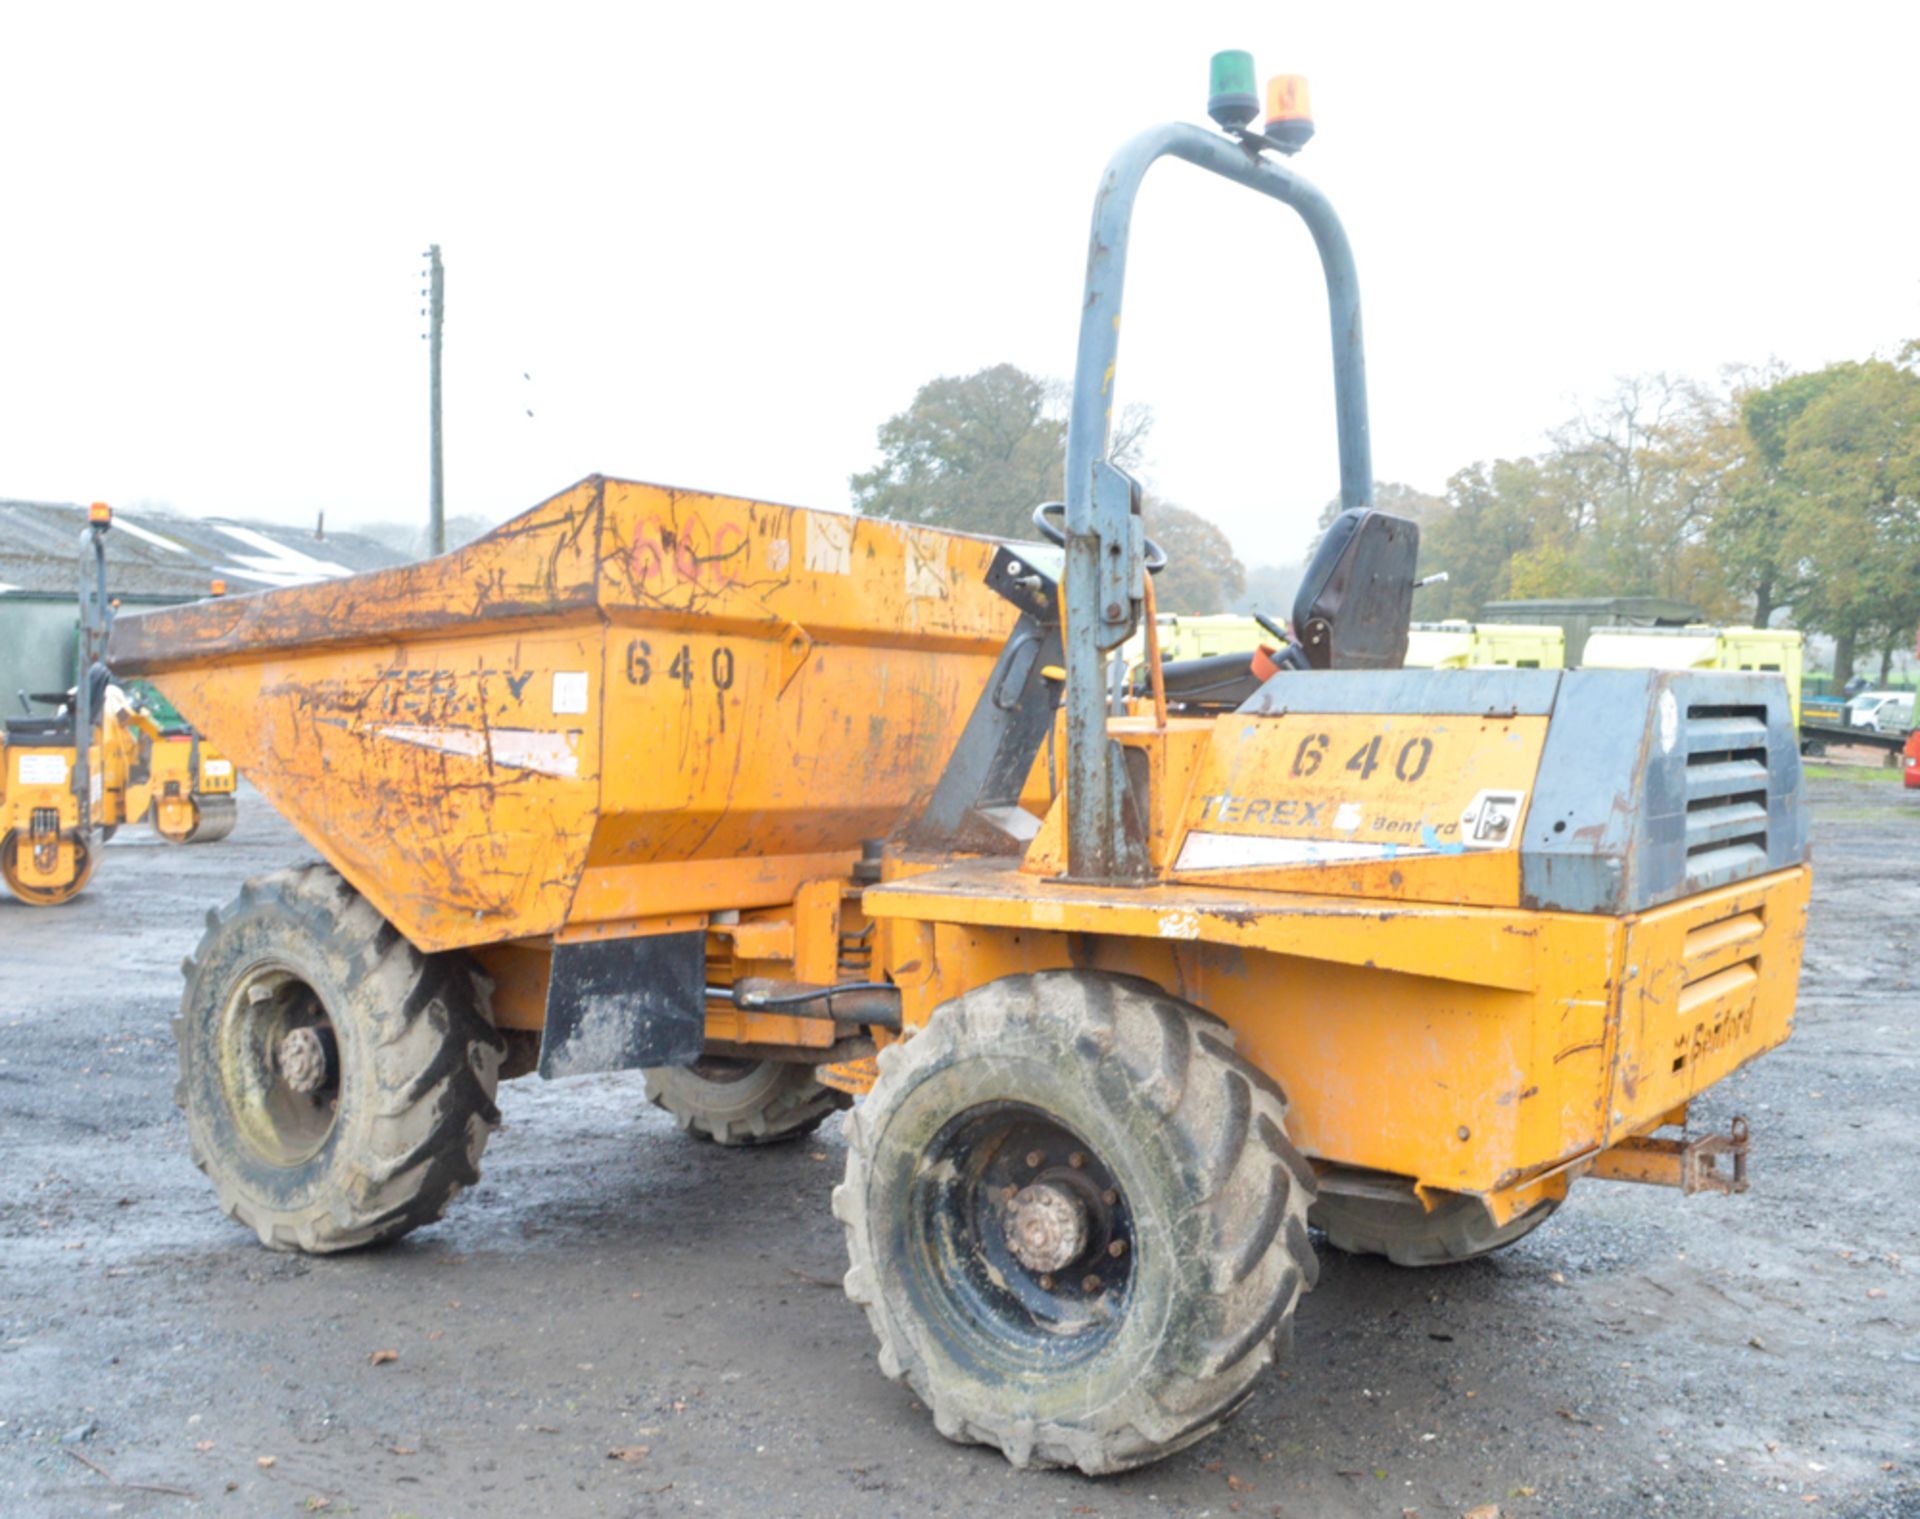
1290,657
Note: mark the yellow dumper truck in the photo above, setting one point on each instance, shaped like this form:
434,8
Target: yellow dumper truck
740,795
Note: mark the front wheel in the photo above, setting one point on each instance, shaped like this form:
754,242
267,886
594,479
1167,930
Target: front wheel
338,1084
1074,1220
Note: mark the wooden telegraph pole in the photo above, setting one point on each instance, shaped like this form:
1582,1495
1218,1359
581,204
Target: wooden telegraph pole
436,317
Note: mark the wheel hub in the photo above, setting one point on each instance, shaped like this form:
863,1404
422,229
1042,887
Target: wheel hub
1046,1227
302,1058
1020,1237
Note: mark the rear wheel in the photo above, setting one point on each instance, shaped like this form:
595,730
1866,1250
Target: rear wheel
1458,1229
31,892
1074,1220
338,1084
743,1102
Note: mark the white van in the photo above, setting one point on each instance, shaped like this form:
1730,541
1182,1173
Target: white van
1883,711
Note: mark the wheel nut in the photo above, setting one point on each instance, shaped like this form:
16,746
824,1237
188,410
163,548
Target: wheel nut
1117,1249
1076,1160
1034,1157
1089,1284
302,1058
1046,1227
1110,1197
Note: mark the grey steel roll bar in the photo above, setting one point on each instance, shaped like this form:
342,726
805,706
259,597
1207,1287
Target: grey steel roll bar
1104,531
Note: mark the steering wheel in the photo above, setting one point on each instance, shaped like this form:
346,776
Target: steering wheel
1050,517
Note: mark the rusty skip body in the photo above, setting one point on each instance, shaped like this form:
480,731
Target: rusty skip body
875,1004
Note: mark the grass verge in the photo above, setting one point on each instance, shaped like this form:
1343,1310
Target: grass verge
1864,774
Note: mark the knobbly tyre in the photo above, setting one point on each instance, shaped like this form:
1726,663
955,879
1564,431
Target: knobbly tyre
660,779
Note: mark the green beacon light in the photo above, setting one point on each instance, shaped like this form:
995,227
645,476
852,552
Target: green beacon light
1233,96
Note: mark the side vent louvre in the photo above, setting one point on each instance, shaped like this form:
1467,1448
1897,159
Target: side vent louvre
1726,794
1720,966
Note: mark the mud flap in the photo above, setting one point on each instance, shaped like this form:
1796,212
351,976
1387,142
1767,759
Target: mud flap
618,1004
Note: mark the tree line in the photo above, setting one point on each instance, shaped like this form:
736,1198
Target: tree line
979,452
1769,495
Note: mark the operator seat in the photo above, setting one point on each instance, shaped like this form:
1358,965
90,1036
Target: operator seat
1356,601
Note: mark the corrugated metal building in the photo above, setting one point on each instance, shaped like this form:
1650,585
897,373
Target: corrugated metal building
153,559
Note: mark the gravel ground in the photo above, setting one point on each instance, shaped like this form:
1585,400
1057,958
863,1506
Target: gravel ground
611,1286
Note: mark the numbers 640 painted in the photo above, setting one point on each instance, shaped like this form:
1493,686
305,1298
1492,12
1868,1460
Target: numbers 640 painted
1409,764
683,667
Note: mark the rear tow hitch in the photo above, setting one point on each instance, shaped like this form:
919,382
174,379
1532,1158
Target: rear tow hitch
1692,1165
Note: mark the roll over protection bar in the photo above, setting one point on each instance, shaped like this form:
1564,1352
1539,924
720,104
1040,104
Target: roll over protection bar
1104,532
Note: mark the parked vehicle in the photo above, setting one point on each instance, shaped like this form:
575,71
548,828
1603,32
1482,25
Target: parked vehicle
731,793
70,779
1460,645
1882,711
1768,650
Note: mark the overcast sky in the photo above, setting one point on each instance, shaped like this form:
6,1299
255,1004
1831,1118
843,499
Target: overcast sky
726,242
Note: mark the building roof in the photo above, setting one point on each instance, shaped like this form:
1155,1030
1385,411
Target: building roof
153,555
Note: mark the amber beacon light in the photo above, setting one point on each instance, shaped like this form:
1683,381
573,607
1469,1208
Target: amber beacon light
1289,112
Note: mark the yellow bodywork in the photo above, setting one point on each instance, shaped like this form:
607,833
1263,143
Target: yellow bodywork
638,711
1421,1020
1475,1049
1780,651
628,703
180,771
1460,645
41,855
1451,645
138,772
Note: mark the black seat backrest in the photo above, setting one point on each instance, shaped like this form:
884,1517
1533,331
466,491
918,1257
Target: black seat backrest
1356,601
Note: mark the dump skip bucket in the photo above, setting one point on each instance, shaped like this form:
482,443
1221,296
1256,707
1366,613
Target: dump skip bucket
628,702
